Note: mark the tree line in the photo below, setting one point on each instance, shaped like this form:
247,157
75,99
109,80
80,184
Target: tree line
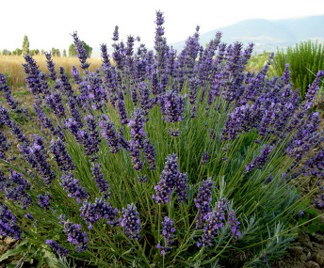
25,49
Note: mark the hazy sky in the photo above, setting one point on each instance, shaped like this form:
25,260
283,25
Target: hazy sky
50,23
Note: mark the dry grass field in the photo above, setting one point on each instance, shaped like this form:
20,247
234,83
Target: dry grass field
12,67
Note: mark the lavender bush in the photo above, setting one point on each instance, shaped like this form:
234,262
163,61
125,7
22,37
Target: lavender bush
160,158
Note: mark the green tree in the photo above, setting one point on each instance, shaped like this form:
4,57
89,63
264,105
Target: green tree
64,52
73,53
56,52
6,52
34,52
17,52
25,45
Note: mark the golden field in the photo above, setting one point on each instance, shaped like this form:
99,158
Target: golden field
11,66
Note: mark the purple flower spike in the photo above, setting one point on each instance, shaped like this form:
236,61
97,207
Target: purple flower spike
66,87
172,106
4,146
215,220
73,188
61,155
167,233
50,65
260,160
149,154
136,157
95,90
56,104
116,34
138,135
75,75
104,55
122,109
160,43
44,201
131,222
59,250
234,224
182,187
136,125
16,189
8,223
93,133
311,93
102,184
100,209
170,179
6,89
76,236
82,53
37,150
109,133
203,201
33,80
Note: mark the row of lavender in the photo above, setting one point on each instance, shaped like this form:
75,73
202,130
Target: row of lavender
153,152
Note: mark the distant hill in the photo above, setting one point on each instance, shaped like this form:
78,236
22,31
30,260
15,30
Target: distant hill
268,35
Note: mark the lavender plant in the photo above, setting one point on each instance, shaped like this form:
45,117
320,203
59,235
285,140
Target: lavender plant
165,159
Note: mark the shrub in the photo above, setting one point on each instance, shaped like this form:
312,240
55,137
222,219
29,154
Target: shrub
305,59
164,159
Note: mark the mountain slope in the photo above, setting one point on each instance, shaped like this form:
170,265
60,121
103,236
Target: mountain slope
268,34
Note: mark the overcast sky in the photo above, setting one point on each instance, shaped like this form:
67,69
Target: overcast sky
49,23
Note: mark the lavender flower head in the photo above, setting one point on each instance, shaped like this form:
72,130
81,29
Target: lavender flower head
100,209
168,180
122,109
311,93
104,55
149,154
33,80
96,92
76,236
102,184
50,65
159,29
260,160
65,84
205,158
55,101
3,144
131,222
181,185
61,155
109,133
59,250
234,224
215,220
167,233
8,223
172,106
93,132
136,124
44,201
16,189
3,81
39,154
73,188
82,53
116,34
75,75
6,89
203,201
